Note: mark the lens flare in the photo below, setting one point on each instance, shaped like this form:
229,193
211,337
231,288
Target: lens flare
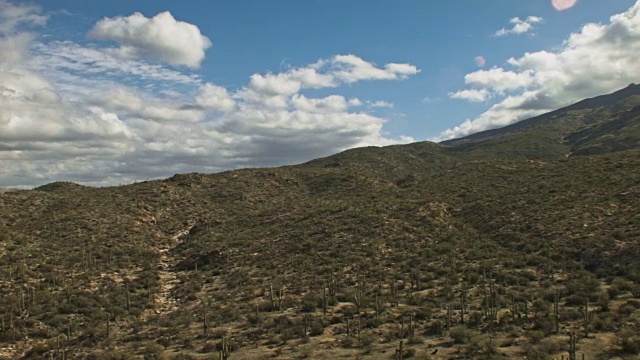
561,5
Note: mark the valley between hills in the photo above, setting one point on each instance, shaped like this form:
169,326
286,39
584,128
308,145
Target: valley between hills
516,242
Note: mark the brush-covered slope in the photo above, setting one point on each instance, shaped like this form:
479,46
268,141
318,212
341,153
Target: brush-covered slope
602,124
461,250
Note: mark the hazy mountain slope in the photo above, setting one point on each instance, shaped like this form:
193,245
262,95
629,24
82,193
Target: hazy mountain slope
567,119
619,132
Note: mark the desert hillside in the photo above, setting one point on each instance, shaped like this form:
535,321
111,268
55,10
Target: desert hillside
517,242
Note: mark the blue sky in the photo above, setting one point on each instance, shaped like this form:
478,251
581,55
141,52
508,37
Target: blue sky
102,92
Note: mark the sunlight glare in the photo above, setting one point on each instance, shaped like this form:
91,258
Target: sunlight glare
561,5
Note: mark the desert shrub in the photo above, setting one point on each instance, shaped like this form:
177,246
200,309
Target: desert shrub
423,313
209,347
571,314
373,322
461,335
603,301
309,303
536,336
408,353
37,351
626,310
629,341
347,342
107,355
634,303
544,324
316,328
367,338
537,351
152,351
575,300
585,287
603,322
182,356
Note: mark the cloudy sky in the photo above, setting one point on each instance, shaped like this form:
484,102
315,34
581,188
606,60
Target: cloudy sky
110,92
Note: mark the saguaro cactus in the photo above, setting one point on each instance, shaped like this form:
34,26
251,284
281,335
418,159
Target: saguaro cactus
587,317
572,346
400,350
556,307
225,350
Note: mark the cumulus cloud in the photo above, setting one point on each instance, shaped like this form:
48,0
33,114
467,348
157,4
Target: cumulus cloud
519,26
161,37
330,104
215,97
355,102
598,59
498,80
350,68
473,95
73,111
32,113
274,90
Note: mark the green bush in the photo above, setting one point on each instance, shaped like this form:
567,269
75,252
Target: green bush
629,341
461,335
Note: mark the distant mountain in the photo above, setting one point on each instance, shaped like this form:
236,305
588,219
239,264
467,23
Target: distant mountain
2,190
569,130
463,248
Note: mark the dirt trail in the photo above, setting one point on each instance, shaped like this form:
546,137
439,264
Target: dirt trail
164,302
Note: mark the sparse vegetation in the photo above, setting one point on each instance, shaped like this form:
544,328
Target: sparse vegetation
481,249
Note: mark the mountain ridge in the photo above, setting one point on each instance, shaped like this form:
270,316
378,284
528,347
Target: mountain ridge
590,103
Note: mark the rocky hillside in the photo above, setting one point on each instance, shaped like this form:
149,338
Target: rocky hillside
522,241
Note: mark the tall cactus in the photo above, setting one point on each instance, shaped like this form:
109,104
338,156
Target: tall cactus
400,350
572,346
587,317
463,305
556,307
225,350
359,295
108,325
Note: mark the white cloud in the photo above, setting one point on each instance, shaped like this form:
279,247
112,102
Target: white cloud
355,102
13,48
330,104
66,57
498,80
76,112
14,42
598,59
215,97
118,99
32,113
350,68
128,103
380,104
12,16
520,26
161,37
473,95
